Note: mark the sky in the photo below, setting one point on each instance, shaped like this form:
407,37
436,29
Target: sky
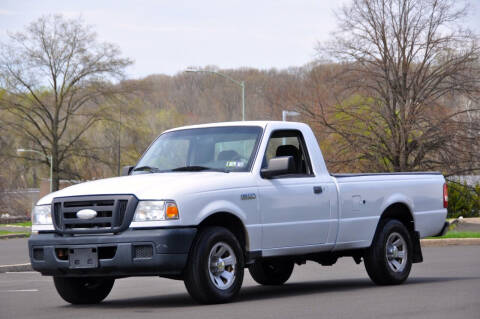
168,36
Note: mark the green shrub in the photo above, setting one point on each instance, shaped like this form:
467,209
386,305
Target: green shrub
463,200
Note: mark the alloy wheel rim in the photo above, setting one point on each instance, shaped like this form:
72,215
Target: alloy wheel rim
222,264
396,252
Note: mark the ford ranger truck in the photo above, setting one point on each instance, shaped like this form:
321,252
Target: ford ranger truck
205,202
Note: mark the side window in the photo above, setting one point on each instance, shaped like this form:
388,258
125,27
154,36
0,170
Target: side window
289,143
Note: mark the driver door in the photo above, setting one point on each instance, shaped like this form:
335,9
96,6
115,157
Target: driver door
293,212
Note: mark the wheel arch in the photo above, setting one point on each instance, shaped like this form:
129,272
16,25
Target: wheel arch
231,222
401,212
398,210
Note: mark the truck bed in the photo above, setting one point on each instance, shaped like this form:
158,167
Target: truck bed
363,197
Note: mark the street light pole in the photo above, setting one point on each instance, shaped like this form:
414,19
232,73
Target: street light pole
239,83
243,100
48,157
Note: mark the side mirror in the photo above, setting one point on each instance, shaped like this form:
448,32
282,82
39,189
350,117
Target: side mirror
278,166
126,170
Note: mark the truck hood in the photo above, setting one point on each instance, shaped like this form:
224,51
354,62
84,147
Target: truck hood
156,185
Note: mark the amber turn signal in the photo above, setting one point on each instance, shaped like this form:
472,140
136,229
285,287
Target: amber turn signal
171,211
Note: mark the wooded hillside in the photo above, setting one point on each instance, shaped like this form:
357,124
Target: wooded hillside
396,89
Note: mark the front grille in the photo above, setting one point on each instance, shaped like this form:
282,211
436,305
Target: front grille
114,213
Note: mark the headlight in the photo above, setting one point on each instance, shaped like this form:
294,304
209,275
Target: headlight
155,210
42,215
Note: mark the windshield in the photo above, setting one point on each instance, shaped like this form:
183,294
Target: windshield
228,149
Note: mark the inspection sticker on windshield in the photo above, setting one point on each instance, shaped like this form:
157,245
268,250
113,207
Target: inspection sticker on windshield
234,164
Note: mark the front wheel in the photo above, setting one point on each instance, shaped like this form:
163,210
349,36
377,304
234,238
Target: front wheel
214,273
389,260
83,290
271,272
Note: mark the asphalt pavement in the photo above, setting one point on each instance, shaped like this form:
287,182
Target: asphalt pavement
13,251
446,285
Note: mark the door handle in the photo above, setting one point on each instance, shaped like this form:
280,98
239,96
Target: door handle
317,189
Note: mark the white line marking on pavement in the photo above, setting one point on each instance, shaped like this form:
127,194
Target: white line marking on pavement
22,290
17,281
20,272
15,265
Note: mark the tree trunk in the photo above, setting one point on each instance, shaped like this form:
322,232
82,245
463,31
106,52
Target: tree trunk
55,168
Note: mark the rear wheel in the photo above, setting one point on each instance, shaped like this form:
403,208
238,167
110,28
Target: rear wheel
389,260
83,290
214,273
271,272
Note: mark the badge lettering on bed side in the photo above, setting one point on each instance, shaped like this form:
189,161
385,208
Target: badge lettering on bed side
248,196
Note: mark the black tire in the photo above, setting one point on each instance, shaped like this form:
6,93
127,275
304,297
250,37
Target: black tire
379,269
80,291
198,281
271,272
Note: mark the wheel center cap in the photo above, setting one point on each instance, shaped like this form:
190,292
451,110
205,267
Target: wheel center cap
393,251
220,266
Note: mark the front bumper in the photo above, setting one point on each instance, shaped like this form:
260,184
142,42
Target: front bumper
118,255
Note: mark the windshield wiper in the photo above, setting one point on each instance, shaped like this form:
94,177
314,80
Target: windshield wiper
197,169
147,168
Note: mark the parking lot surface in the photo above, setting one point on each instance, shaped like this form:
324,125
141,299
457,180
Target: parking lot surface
446,285
13,251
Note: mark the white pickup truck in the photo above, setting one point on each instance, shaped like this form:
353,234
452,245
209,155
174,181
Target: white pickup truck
205,202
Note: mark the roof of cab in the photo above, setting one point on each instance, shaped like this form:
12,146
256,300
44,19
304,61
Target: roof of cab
262,124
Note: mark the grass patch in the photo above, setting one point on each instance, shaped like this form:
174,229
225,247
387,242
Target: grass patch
24,224
459,234
8,232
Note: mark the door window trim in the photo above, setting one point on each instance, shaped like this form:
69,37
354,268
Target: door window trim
303,146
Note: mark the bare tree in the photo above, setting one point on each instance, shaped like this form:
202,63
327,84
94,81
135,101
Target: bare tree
403,63
54,74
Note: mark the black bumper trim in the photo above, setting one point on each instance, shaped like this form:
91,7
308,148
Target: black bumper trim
170,253
444,230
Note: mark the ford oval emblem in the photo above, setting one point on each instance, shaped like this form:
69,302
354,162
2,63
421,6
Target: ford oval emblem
86,214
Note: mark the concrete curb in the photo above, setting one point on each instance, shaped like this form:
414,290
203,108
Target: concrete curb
14,226
15,268
450,242
9,236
